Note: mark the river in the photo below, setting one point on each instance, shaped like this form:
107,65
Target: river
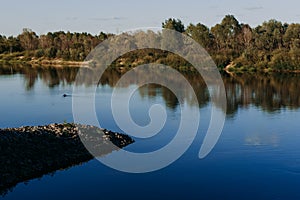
256,157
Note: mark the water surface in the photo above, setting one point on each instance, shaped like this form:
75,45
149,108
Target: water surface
256,157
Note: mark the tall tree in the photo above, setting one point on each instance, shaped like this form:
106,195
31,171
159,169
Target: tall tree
201,34
291,35
3,44
28,39
269,36
227,32
174,24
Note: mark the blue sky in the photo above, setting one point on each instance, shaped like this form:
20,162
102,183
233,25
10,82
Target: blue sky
122,15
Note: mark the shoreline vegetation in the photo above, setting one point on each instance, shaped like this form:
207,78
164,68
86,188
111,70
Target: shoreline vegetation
235,47
32,151
16,59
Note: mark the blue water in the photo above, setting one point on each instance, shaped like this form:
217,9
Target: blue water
256,157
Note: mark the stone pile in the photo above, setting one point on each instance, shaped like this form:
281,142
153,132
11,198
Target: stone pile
32,151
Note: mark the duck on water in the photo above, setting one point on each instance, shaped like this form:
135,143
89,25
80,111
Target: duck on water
66,95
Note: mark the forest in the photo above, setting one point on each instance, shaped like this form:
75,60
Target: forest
271,46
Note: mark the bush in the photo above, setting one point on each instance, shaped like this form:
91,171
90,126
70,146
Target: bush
39,53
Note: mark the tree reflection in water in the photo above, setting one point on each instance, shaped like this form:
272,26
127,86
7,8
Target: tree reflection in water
270,92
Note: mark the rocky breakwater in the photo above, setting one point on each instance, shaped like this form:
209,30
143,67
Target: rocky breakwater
32,151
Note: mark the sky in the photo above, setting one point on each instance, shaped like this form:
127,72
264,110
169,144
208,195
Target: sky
117,16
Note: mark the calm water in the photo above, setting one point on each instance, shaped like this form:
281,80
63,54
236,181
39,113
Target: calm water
257,156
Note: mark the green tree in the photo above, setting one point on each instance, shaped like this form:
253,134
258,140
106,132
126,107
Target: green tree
174,24
28,40
201,34
292,33
227,33
226,36
269,36
3,44
13,44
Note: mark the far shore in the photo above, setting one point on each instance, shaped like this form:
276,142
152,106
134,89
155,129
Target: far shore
58,62
47,62
231,68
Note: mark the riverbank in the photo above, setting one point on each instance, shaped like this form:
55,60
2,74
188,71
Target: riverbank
21,58
32,151
233,68
57,62
45,62
126,63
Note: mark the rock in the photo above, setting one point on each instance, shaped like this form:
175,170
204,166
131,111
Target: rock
30,152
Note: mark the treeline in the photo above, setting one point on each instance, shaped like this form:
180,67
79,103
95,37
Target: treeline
272,45
61,45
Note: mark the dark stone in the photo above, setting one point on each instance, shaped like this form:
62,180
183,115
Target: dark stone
32,151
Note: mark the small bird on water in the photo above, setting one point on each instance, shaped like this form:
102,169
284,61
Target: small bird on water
66,95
